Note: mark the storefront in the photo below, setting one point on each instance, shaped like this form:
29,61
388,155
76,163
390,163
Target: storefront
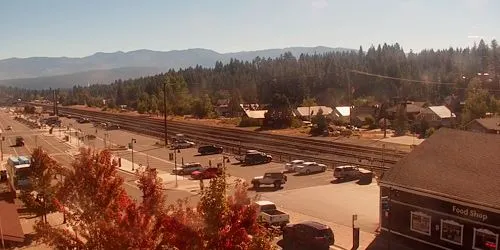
445,196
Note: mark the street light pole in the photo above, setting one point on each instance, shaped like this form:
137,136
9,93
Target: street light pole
132,148
175,166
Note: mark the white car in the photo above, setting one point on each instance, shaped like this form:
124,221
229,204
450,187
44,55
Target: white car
290,167
183,144
310,167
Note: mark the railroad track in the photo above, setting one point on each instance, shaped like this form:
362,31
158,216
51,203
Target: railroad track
235,140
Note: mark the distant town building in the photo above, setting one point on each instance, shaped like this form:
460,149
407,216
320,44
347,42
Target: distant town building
412,109
342,113
485,125
437,116
255,114
222,107
445,193
306,113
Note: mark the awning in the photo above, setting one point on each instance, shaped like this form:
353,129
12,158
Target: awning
9,222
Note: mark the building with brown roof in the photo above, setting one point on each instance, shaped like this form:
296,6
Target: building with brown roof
445,193
485,125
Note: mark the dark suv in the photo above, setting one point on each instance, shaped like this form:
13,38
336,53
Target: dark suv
308,235
254,158
210,149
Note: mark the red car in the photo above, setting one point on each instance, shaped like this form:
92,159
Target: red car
207,173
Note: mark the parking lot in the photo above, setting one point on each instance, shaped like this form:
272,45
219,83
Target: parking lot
313,196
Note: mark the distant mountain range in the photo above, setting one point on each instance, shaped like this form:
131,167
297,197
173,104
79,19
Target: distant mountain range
103,68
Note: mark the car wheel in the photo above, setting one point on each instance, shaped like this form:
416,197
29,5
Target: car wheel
181,172
256,185
277,184
323,169
308,171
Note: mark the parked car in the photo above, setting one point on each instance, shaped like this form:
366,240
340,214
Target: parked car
308,235
310,167
269,215
290,167
346,172
83,120
210,149
187,168
112,127
206,173
183,144
271,178
254,157
19,141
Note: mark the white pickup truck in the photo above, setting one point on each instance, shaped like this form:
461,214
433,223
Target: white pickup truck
269,215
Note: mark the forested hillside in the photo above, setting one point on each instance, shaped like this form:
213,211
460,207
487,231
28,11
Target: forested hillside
326,77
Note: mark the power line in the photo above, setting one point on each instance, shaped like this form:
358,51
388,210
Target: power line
401,79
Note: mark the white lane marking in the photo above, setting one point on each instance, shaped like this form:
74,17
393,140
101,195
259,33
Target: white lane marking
130,185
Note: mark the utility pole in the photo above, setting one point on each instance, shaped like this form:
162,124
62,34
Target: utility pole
349,95
1,145
165,111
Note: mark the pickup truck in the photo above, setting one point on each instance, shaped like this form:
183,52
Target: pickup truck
271,178
270,216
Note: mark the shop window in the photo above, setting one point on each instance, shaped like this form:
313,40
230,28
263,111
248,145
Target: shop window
485,240
452,232
420,223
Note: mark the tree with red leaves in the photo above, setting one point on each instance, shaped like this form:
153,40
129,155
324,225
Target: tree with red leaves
93,196
102,216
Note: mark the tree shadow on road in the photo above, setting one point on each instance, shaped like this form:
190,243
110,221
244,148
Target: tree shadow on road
265,189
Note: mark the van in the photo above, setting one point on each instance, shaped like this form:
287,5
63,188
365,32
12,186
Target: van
346,172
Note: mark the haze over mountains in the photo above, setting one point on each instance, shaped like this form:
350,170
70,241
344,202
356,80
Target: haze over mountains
103,68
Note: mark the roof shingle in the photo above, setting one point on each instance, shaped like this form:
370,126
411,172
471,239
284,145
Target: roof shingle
454,163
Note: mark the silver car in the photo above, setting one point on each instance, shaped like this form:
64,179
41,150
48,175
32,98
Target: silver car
310,167
290,167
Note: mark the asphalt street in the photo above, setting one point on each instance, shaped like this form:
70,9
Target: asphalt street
304,197
316,194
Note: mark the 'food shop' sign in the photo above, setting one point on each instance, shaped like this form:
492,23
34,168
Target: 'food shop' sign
470,213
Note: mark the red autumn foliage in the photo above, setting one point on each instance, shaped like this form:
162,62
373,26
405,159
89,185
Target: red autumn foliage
102,216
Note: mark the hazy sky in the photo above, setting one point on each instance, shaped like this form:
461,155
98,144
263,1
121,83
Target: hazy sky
79,28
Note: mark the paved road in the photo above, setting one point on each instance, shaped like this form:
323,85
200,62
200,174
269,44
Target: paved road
311,197
313,194
61,152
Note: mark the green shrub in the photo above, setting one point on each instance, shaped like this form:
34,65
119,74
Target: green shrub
296,123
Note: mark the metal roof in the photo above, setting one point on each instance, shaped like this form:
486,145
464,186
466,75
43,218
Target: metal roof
313,110
256,114
442,111
343,110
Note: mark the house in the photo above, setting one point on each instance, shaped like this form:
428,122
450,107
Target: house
437,116
306,113
342,113
485,125
255,114
445,193
222,107
412,109
360,114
